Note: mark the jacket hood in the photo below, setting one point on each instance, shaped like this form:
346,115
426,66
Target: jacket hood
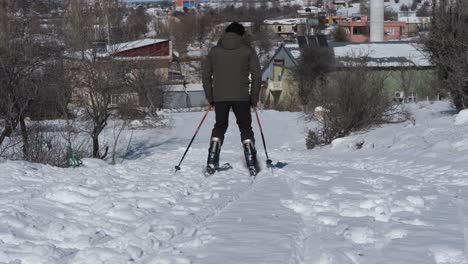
230,41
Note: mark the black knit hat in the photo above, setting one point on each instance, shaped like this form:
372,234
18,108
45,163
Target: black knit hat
237,28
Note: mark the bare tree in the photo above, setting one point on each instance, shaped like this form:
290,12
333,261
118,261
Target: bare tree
447,44
137,23
25,50
149,84
313,67
99,79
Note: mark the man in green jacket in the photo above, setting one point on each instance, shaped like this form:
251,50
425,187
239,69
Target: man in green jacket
227,86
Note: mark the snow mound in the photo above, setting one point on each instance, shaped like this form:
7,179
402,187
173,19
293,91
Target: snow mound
462,118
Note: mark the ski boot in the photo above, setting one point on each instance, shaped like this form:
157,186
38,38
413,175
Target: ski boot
250,156
213,156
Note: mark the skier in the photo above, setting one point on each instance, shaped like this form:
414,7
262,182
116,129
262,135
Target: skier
226,73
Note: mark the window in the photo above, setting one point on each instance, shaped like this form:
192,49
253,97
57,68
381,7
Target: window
390,31
359,30
279,61
279,28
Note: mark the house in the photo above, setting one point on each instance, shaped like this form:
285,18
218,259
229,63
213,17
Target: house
130,58
405,66
309,11
414,24
409,74
180,4
286,28
277,74
358,29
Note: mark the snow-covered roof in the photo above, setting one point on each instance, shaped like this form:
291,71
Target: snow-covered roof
291,45
289,21
384,54
414,20
116,48
134,45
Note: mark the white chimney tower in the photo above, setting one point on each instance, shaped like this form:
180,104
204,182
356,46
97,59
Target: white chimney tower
377,20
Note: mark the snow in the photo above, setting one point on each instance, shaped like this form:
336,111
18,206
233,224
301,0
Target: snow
462,118
401,198
397,54
193,87
289,21
414,20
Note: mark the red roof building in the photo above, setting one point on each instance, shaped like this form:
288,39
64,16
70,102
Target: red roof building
358,29
186,3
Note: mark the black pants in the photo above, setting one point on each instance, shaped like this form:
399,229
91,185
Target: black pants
243,115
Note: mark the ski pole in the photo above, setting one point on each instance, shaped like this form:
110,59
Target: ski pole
269,161
177,168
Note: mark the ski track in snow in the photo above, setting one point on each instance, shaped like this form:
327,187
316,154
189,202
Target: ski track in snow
401,199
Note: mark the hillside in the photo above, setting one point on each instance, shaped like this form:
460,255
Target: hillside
401,198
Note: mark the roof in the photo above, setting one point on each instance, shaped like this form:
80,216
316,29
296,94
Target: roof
134,45
117,48
293,50
414,20
385,54
289,21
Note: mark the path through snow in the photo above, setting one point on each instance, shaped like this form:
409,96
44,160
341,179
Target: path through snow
399,199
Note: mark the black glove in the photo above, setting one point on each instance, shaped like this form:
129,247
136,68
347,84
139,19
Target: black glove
253,104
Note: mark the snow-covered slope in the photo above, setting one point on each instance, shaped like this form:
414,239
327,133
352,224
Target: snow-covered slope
401,198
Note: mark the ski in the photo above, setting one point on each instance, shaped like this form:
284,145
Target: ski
211,170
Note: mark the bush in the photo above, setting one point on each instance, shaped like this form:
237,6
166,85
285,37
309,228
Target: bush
354,99
340,35
312,140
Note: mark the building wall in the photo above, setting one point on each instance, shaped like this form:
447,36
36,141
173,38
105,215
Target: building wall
393,30
186,3
181,99
420,81
285,29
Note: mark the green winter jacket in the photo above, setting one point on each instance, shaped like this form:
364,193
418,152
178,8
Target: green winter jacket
227,68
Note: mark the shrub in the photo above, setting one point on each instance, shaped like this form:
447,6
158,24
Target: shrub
312,140
340,35
354,99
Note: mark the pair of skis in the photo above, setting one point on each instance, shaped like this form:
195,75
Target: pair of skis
227,166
